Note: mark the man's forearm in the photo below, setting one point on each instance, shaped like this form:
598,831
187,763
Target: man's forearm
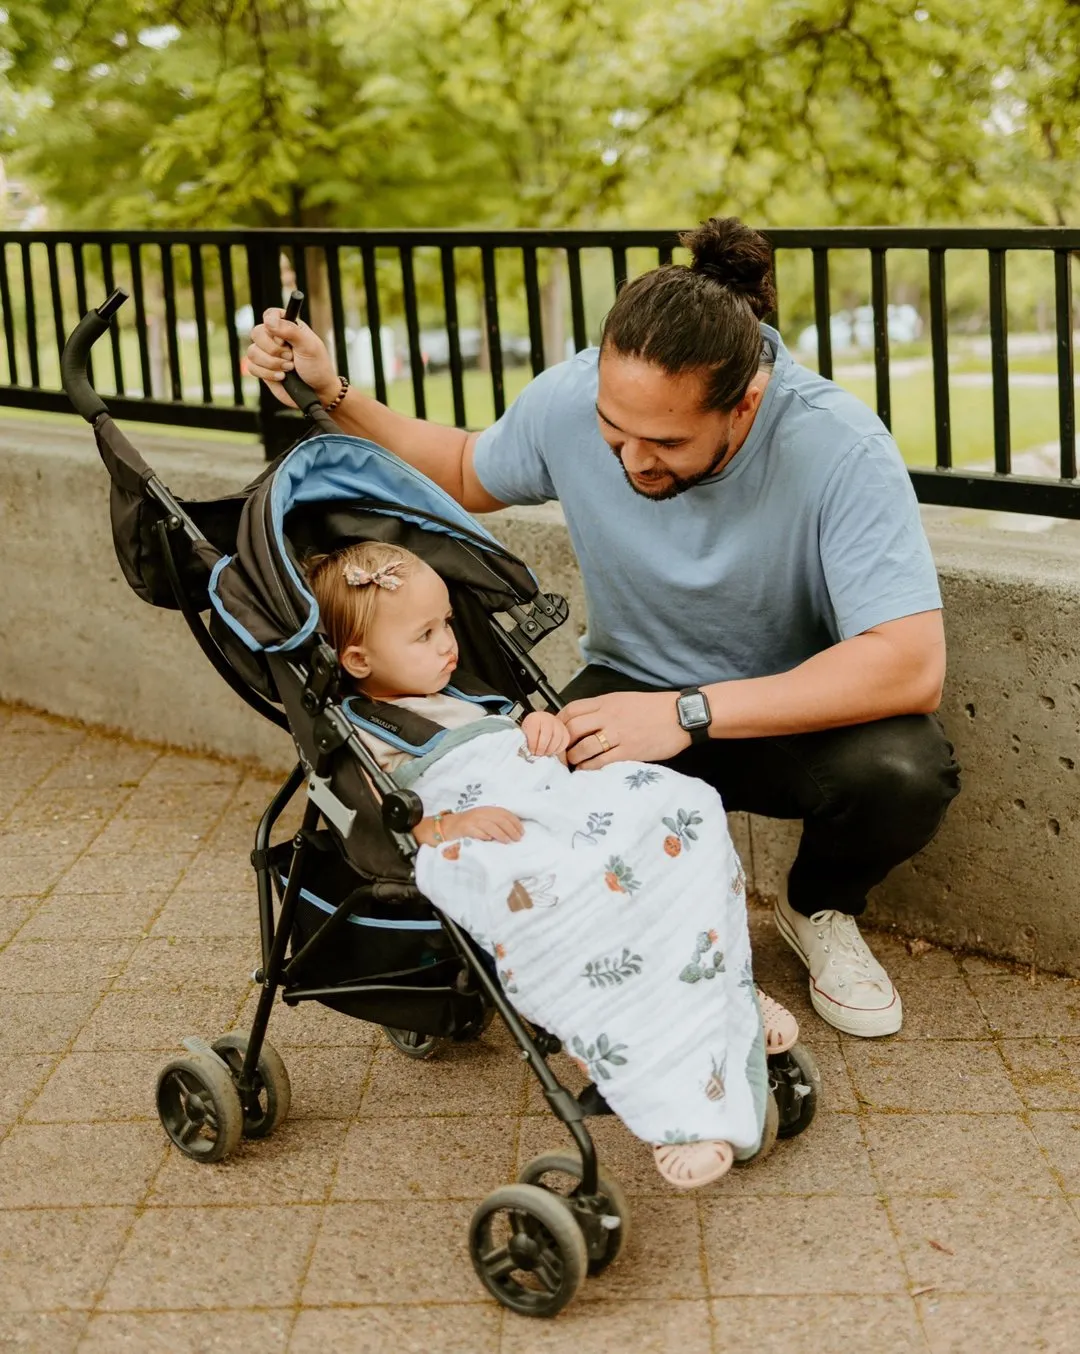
860,680
436,451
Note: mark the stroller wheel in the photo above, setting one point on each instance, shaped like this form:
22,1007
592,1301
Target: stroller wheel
475,1028
411,1043
769,1133
796,1083
560,1173
271,1092
528,1249
199,1107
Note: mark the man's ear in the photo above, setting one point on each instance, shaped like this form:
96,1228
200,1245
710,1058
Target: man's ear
355,662
747,406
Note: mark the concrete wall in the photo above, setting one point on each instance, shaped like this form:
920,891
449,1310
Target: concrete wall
74,638
1002,876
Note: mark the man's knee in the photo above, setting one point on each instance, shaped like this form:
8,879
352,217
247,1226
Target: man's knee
902,768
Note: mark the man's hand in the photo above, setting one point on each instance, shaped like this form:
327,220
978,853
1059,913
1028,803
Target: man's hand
545,734
270,356
623,726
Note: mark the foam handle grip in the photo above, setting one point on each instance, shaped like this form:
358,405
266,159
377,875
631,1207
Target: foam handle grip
297,389
85,400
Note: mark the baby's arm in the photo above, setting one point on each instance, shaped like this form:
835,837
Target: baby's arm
546,734
486,824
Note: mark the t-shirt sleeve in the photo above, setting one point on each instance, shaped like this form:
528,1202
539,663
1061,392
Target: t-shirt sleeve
509,458
877,561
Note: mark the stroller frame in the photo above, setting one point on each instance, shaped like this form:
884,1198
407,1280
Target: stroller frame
399,813
238,1086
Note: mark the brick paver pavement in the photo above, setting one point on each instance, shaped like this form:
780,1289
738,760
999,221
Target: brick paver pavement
932,1206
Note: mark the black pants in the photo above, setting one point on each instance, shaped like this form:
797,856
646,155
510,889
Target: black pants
869,795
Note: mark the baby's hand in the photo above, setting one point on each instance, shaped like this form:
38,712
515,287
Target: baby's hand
545,734
485,824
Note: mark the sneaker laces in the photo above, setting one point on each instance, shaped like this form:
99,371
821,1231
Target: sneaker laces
848,951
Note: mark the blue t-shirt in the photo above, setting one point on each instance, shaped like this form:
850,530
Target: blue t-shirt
811,533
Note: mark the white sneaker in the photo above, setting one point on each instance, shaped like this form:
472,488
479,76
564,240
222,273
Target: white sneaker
848,987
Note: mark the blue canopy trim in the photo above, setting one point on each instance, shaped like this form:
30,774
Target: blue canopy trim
230,620
325,469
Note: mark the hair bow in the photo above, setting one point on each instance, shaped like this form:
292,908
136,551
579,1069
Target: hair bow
387,577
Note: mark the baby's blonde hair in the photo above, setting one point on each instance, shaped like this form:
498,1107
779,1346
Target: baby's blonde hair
345,609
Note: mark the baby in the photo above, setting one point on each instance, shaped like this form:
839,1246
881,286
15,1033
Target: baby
611,900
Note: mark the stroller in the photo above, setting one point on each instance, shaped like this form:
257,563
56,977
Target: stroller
342,921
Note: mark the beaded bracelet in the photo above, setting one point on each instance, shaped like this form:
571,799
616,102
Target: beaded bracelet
340,395
436,827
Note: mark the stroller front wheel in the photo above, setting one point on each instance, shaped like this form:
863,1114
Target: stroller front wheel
199,1107
560,1173
271,1091
528,1249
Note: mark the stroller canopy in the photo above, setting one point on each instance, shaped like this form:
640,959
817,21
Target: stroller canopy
322,494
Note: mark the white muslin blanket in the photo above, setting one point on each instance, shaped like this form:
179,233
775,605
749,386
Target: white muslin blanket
618,923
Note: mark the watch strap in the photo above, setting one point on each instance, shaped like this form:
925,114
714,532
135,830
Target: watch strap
699,734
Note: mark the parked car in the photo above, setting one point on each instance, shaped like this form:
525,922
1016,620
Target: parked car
854,329
435,345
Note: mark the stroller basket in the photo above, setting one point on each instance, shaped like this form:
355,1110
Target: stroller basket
381,942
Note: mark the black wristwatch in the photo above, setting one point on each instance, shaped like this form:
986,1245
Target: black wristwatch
694,714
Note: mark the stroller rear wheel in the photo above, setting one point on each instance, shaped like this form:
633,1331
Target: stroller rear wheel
528,1250
560,1173
199,1107
413,1044
271,1092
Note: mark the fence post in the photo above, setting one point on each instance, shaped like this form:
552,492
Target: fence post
278,427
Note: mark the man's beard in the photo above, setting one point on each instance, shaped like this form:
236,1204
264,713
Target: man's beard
674,485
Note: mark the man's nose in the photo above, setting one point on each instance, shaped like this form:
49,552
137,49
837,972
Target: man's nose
637,458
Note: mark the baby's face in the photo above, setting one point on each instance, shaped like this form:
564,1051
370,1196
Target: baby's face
410,648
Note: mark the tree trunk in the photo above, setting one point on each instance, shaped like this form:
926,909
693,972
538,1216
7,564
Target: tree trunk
484,359
317,308
155,343
154,301
553,308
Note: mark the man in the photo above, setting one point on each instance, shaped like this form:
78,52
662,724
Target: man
763,607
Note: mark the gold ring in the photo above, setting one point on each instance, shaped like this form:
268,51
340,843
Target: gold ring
603,741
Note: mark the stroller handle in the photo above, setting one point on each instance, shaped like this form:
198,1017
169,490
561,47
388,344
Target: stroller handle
84,398
298,389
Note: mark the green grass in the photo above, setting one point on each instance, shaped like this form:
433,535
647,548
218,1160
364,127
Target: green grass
1033,409
1033,417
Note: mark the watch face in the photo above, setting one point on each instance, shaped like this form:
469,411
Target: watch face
692,711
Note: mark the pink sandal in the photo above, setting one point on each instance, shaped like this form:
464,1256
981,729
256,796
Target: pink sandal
781,1027
689,1165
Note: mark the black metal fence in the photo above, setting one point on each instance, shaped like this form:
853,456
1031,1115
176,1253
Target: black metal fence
450,324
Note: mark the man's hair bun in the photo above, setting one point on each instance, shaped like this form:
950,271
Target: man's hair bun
737,257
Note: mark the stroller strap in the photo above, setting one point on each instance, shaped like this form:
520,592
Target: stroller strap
414,733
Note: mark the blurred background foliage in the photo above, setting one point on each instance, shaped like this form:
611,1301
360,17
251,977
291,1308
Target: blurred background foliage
352,113
121,114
